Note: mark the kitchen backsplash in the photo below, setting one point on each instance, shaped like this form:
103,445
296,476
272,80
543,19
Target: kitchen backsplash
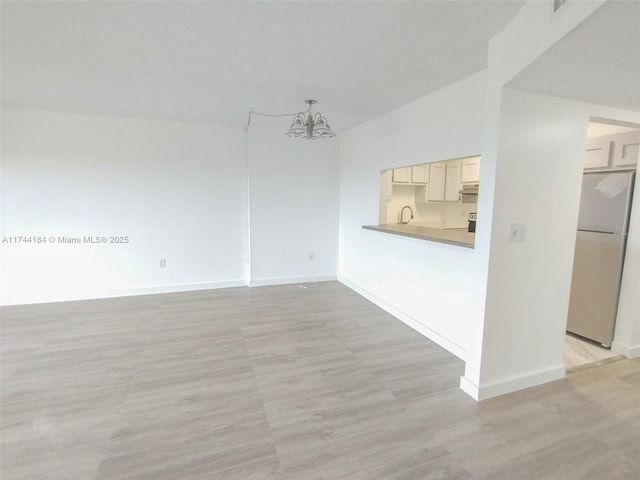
450,213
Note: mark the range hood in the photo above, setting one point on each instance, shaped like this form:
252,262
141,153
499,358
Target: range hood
470,189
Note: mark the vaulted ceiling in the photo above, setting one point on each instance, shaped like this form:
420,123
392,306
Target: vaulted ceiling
598,62
214,60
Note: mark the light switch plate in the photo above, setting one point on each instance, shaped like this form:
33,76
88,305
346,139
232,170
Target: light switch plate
518,232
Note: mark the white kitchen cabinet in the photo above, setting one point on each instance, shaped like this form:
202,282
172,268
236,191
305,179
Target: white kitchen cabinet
401,175
452,183
444,183
470,170
626,149
420,174
436,186
596,154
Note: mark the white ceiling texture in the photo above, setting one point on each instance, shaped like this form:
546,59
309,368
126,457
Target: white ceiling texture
598,62
212,61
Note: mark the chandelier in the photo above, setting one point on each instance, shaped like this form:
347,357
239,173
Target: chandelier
310,126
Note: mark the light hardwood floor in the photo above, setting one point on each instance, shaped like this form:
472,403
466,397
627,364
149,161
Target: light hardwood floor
284,383
580,353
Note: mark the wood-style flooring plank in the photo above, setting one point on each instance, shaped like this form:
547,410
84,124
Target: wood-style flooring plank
284,383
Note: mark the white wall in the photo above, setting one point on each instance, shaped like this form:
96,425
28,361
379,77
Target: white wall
502,306
177,190
293,195
626,339
540,164
428,285
540,161
520,341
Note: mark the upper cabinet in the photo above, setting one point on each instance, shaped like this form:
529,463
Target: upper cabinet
470,170
437,175
443,185
626,149
420,174
416,175
432,182
452,181
597,152
401,175
613,151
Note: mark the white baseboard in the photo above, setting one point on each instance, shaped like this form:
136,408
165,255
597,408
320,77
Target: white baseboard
190,287
432,335
132,292
629,351
470,388
512,384
263,282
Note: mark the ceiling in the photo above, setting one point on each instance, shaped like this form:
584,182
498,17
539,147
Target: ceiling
212,61
598,62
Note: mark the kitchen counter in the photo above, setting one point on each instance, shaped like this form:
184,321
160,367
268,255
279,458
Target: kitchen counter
452,236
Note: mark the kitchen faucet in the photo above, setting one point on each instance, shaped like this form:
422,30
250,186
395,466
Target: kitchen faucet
402,222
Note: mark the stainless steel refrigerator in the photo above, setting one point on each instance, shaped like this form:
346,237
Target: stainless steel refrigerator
603,221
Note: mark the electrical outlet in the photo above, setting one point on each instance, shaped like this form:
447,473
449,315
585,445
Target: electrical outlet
163,263
312,256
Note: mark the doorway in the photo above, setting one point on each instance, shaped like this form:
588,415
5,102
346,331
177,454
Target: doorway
611,156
